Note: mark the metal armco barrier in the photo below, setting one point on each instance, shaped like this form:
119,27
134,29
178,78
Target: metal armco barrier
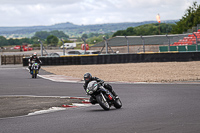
119,58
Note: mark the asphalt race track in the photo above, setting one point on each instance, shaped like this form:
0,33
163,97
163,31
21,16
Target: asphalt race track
147,108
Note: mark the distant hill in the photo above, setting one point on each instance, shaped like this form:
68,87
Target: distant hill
72,29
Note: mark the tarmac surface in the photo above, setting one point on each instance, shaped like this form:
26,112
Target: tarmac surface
19,105
147,107
23,105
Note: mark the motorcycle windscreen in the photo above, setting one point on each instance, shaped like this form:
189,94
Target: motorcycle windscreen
92,87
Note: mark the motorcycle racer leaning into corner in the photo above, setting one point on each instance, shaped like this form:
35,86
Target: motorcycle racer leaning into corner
35,59
88,77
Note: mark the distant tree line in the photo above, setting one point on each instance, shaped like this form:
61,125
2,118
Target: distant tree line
93,38
11,41
50,38
147,29
45,34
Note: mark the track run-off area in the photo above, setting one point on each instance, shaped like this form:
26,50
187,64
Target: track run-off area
147,107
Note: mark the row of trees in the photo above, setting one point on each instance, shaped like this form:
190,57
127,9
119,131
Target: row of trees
147,29
95,37
50,38
190,19
45,34
11,41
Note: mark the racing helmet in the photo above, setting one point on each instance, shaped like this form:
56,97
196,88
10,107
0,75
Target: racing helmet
35,55
87,77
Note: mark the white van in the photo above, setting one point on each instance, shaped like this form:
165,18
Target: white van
69,45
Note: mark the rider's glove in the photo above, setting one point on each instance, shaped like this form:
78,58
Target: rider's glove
101,82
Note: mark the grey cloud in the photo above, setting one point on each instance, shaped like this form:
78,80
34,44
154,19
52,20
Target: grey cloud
31,2
47,12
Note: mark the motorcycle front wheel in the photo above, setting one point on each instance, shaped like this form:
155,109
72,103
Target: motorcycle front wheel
103,102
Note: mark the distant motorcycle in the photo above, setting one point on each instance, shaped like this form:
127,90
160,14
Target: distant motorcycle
34,69
103,96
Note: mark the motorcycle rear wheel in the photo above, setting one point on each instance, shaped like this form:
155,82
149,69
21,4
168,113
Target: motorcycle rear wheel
117,103
33,73
102,103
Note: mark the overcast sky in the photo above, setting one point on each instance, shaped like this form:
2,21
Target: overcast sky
49,12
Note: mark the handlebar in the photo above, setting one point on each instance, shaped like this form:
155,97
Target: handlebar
101,83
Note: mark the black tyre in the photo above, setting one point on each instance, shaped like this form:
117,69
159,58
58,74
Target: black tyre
117,103
35,75
104,104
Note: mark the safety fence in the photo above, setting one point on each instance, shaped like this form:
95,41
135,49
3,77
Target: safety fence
154,43
135,44
119,58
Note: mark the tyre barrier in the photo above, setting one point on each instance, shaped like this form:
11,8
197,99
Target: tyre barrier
118,58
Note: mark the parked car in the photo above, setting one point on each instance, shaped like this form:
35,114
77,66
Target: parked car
23,47
27,48
93,52
81,52
17,47
75,52
56,54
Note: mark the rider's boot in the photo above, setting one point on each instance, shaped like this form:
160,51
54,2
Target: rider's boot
115,95
29,68
109,87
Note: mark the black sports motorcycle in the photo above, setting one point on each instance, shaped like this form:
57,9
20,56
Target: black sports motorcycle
34,69
103,96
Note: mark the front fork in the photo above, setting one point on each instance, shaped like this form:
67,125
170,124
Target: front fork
108,93
35,71
103,97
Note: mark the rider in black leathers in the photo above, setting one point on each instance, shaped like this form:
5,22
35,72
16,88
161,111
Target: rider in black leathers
88,77
35,59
